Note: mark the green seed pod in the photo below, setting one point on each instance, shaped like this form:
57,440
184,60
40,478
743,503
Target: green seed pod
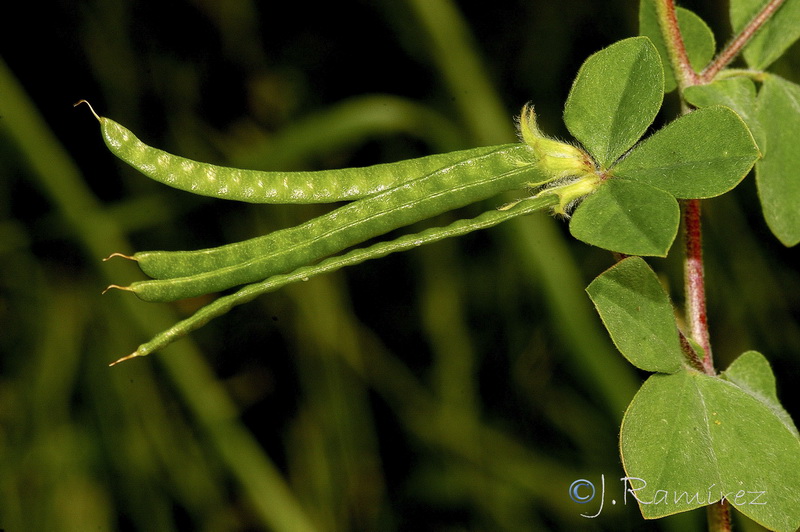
455,186
254,186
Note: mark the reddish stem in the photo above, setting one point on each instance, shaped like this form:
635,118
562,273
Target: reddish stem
739,41
718,514
719,517
679,58
695,283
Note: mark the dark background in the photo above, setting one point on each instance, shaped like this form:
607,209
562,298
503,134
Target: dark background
462,386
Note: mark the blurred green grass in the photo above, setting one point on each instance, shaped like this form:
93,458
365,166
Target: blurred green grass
462,386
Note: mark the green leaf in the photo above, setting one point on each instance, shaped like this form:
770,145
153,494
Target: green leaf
774,37
738,93
614,98
753,374
700,155
638,315
778,173
689,439
697,38
627,217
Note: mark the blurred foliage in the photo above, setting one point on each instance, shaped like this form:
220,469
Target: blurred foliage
460,387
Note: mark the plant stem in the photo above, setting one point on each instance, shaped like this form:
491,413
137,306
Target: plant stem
719,517
739,41
718,514
693,267
668,21
695,283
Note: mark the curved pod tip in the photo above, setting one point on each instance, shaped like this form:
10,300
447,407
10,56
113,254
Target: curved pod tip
117,287
129,257
76,104
123,359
